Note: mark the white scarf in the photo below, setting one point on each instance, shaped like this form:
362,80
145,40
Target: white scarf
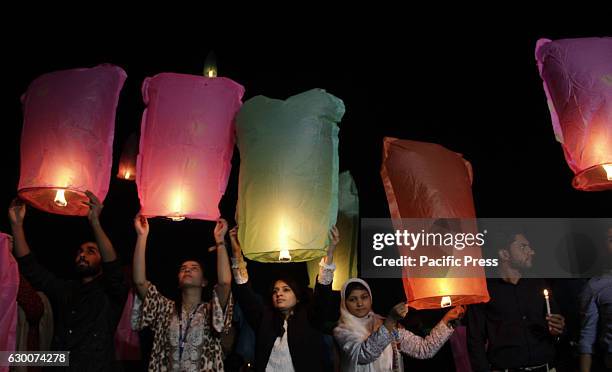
352,331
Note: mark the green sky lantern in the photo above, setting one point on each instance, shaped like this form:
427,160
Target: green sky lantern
288,184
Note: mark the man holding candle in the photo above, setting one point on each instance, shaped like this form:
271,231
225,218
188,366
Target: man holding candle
86,311
515,331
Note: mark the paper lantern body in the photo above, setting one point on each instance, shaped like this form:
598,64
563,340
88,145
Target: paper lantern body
345,255
67,139
426,181
127,162
186,144
577,76
288,184
9,285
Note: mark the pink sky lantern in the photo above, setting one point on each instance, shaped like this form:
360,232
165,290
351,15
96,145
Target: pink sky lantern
9,285
577,76
426,181
67,139
187,140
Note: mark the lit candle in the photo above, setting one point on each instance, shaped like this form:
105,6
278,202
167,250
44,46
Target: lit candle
127,175
608,169
60,199
284,255
446,301
210,65
547,301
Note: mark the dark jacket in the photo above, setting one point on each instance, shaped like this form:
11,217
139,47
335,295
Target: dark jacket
85,315
305,338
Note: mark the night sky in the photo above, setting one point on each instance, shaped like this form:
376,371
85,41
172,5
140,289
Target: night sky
475,92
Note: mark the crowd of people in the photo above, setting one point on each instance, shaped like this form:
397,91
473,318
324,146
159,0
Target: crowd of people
287,329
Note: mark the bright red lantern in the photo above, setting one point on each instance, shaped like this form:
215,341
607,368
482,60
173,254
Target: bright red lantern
186,144
577,76
67,139
426,181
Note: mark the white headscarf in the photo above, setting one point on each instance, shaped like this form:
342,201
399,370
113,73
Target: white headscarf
352,331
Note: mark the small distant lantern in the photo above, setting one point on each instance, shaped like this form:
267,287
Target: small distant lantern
67,139
345,255
186,144
425,181
577,75
288,184
127,162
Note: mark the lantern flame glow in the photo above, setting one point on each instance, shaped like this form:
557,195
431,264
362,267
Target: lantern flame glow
60,199
284,255
446,301
177,206
608,169
127,175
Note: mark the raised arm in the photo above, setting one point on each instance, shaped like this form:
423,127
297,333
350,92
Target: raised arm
224,274
139,271
104,244
16,213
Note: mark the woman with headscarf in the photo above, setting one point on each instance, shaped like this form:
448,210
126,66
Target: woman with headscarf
369,342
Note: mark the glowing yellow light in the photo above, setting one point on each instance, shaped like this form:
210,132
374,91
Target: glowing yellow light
546,293
446,301
608,169
177,207
212,73
60,199
284,243
127,175
210,65
284,255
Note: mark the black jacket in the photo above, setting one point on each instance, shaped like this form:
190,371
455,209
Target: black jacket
85,315
303,327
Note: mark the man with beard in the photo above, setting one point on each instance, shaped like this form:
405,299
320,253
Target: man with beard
86,311
513,332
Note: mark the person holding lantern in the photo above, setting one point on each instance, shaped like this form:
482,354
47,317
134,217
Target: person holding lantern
288,333
516,330
369,342
86,311
186,332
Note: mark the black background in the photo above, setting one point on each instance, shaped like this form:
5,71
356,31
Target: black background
476,92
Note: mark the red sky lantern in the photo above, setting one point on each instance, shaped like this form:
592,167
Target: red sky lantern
577,76
67,139
426,181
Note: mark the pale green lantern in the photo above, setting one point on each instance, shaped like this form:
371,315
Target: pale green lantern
288,185
345,256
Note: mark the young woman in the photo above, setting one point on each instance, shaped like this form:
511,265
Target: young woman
288,330
369,342
186,332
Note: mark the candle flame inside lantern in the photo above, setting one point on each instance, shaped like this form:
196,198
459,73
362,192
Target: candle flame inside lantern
210,65
60,199
608,169
127,175
177,207
446,301
284,240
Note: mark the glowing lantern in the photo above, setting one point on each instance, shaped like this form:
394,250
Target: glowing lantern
9,285
577,76
186,144
288,186
345,255
67,139
426,181
127,162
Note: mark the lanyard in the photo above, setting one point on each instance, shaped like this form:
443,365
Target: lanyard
183,336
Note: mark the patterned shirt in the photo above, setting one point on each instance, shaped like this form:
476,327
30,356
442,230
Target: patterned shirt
202,350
